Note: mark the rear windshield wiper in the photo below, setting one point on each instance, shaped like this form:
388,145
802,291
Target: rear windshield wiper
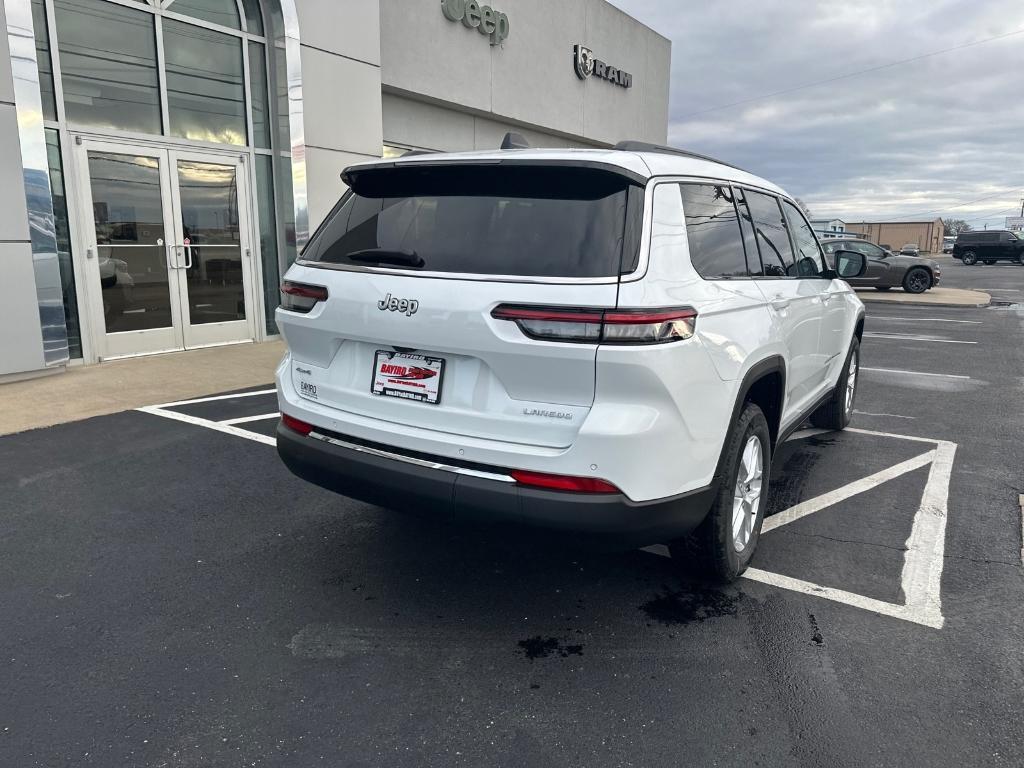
388,256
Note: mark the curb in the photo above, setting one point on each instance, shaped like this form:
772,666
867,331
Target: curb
867,297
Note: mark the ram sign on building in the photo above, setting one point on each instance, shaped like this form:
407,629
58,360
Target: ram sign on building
164,160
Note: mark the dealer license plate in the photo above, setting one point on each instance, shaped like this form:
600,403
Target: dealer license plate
413,377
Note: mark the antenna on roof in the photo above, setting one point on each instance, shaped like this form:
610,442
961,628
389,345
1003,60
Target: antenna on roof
514,141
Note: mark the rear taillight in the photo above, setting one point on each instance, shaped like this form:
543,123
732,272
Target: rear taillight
295,425
299,297
606,326
563,482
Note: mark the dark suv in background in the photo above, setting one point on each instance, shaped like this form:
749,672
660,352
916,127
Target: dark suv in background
989,247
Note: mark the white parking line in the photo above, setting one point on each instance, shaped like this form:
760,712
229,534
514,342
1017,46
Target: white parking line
215,426
805,508
885,415
214,398
927,320
248,419
904,337
915,373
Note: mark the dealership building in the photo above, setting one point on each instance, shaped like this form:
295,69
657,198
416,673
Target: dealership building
164,160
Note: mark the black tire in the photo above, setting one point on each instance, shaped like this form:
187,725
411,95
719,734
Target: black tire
838,411
711,550
917,280
883,287
970,258
1020,259
990,262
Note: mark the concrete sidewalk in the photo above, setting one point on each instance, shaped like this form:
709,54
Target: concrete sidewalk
121,385
936,297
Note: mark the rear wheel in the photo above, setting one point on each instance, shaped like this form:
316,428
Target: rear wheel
838,411
917,280
725,542
1020,258
970,258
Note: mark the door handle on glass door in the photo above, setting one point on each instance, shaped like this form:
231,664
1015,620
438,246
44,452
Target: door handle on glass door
188,256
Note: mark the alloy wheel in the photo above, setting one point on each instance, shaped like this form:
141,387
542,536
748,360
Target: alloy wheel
851,381
747,495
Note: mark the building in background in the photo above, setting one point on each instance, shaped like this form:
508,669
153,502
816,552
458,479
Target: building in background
164,159
829,227
1015,223
927,235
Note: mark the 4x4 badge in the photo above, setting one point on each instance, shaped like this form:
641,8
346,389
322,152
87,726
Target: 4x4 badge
408,307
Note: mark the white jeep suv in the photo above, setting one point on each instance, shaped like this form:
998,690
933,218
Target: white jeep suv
602,341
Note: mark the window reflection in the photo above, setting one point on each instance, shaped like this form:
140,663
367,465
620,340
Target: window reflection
222,12
259,96
43,61
108,65
63,236
205,84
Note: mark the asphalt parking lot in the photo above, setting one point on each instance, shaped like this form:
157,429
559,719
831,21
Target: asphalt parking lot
171,596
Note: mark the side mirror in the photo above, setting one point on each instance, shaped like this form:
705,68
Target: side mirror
850,264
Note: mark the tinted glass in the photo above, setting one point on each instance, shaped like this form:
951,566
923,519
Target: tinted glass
268,237
209,218
259,96
808,254
108,65
131,249
772,235
43,60
63,234
205,84
754,267
528,221
253,17
223,12
713,231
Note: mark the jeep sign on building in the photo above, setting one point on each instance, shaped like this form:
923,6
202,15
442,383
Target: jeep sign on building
111,155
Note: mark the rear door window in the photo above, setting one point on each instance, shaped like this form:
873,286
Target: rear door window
713,231
808,253
531,221
772,235
754,268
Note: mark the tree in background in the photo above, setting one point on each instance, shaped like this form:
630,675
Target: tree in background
955,226
804,208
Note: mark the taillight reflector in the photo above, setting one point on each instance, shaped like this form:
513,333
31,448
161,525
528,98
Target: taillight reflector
563,482
609,326
295,425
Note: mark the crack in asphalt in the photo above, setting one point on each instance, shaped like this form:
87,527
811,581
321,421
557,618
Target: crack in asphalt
847,541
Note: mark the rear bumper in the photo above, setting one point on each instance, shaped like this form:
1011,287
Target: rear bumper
442,493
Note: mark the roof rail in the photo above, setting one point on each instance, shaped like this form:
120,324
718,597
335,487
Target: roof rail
514,141
643,146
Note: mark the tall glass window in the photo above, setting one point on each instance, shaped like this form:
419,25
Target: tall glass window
205,84
177,70
108,65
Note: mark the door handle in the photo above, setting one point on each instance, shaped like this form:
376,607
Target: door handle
780,303
188,255
171,262
826,298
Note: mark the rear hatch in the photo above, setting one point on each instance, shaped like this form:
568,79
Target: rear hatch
417,258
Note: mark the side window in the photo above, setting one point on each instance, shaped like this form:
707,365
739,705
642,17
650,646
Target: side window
713,231
754,268
1008,237
808,253
772,235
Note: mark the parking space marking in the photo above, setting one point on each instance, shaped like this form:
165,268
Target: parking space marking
885,415
216,426
805,508
925,319
905,337
925,548
914,373
213,398
249,419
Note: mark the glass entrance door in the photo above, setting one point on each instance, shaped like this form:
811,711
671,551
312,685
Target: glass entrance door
168,262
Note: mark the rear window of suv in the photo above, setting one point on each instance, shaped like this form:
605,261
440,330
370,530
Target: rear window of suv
519,220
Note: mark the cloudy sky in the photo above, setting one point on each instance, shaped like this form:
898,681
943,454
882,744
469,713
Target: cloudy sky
943,135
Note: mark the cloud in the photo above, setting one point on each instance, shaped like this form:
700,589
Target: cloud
901,142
